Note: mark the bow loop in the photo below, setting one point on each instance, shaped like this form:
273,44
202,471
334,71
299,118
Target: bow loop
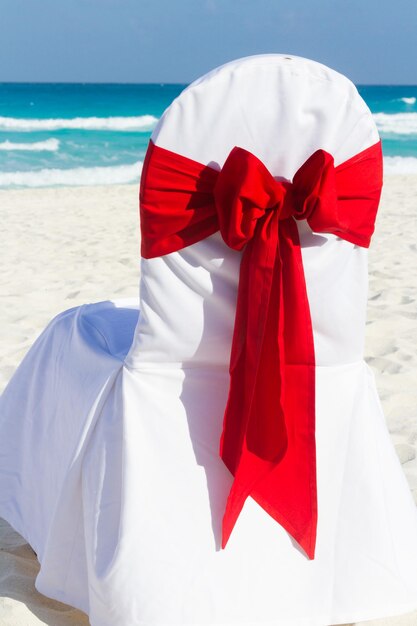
245,190
314,186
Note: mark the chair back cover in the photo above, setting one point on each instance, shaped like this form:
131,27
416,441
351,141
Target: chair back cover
282,109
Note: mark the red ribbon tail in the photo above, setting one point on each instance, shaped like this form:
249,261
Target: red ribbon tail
251,471
234,505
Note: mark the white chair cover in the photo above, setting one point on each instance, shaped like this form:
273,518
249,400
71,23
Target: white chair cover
109,461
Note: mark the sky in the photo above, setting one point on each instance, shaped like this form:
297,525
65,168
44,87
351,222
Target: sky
371,41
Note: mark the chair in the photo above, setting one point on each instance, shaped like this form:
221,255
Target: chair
110,427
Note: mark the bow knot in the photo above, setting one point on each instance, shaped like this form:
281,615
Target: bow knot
245,192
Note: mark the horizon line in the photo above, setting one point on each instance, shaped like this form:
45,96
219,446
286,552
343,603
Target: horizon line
160,83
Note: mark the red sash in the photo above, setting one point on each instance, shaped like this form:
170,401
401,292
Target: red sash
268,438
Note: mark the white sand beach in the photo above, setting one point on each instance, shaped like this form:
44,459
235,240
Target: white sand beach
65,246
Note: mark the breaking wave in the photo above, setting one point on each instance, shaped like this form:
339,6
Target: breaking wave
49,145
137,123
114,175
396,123
411,100
400,165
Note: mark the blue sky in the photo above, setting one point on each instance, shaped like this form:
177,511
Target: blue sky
371,41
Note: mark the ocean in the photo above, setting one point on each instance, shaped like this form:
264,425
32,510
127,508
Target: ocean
88,134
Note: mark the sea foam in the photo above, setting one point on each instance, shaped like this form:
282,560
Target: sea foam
112,175
396,123
411,100
400,165
49,145
138,123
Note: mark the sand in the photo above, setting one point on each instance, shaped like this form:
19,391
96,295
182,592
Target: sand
67,246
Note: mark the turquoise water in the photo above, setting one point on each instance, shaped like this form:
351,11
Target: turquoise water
69,134
395,112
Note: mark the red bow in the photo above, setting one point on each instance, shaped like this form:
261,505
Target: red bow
268,438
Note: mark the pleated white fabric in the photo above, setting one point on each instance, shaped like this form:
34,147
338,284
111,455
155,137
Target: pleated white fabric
110,428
